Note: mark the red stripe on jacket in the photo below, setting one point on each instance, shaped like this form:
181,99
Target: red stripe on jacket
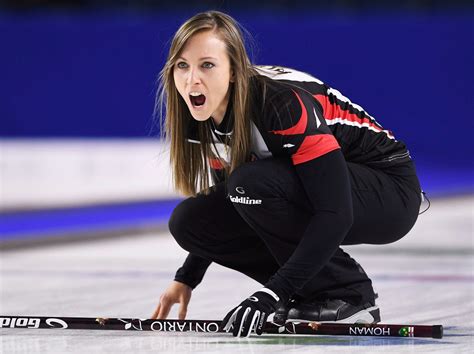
332,111
314,146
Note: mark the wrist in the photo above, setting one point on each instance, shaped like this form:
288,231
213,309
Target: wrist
277,285
182,284
179,278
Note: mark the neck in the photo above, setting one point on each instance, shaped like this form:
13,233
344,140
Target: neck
219,114
218,119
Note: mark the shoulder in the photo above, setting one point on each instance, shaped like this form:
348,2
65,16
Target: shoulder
283,106
281,73
274,94
276,97
279,84
283,83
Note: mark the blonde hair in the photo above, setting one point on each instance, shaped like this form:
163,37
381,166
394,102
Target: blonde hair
190,161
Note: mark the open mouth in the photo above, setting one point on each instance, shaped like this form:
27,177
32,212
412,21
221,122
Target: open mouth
197,100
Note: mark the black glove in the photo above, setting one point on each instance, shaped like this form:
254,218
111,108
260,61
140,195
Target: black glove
251,314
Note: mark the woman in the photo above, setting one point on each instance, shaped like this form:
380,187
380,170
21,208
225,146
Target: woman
298,170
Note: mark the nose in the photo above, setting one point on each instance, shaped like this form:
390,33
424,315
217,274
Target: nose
193,77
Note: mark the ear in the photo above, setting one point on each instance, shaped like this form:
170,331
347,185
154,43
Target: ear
232,75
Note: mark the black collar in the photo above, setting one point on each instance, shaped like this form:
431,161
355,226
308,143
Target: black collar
227,125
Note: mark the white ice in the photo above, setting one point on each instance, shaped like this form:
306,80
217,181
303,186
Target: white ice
426,278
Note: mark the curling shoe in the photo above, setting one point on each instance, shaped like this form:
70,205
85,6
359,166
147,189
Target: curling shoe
333,311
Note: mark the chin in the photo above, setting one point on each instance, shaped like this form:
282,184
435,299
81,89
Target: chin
200,117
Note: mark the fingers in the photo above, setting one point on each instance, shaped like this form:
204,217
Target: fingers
164,307
229,319
183,309
250,324
164,310
240,321
157,311
176,293
243,321
260,324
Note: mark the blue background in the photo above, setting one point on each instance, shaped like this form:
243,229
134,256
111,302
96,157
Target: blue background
94,75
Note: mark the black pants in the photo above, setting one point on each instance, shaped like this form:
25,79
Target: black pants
257,241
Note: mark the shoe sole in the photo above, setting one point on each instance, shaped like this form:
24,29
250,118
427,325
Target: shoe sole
370,315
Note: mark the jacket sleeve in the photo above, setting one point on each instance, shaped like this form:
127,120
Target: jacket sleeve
192,271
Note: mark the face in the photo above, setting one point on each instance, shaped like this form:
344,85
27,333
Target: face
202,75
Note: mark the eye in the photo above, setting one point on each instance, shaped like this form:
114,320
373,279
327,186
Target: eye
207,65
181,65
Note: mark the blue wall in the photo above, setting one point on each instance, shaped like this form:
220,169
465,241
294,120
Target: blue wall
93,75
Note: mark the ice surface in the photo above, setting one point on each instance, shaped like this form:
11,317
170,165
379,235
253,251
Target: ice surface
426,278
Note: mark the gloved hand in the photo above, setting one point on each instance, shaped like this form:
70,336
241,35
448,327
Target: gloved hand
251,314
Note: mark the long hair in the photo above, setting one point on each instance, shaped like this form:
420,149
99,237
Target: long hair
190,161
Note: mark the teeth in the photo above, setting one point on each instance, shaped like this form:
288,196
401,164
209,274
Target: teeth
194,93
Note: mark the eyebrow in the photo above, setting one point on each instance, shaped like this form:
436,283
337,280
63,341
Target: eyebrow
203,58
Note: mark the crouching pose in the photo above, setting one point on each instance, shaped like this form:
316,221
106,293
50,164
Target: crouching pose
298,171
